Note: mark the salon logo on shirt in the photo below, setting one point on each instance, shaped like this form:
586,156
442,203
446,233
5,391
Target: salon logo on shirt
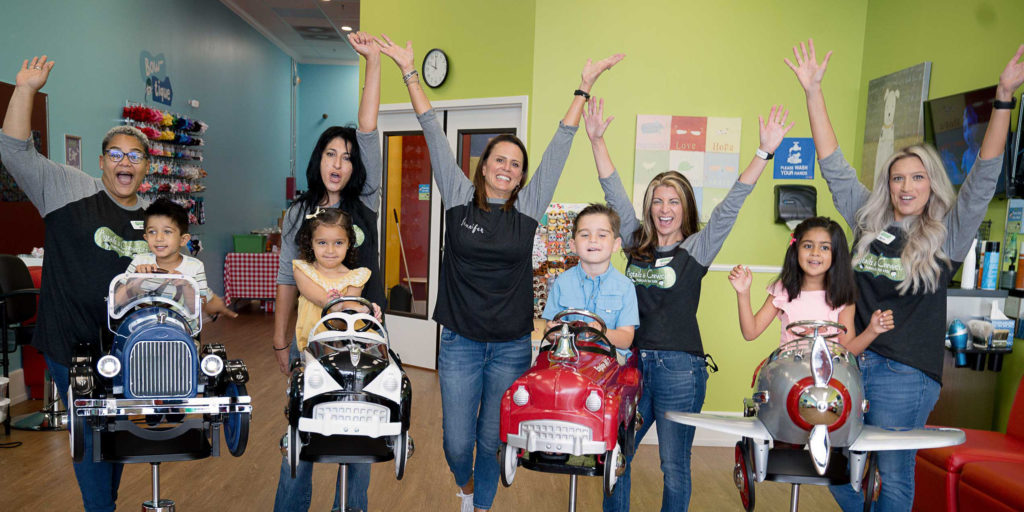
107,240
662,277
473,228
891,268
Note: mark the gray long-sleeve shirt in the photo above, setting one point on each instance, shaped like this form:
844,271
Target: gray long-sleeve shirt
486,288
920,318
668,288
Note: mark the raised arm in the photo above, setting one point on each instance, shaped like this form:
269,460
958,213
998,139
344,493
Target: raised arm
809,72
596,126
28,81
591,71
365,45
751,325
977,190
706,243
405,59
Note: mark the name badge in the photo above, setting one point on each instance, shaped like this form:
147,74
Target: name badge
138,224
661,262
885,237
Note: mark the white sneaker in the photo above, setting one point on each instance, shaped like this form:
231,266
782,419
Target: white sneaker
467,501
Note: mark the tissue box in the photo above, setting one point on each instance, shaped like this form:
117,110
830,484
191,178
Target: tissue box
1002,333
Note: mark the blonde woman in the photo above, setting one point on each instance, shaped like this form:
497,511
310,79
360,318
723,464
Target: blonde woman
910,233
668,256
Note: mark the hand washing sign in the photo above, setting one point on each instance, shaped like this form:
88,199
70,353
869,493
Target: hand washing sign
794,159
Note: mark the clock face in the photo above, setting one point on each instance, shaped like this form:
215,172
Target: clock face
435,68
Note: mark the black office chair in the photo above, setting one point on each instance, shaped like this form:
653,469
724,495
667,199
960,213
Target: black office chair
17,305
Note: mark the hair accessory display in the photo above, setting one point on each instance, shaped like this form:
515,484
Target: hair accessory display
174,170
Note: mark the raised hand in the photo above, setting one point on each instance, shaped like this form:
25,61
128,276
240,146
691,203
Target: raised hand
772,131
592,115
364,44
881,321
592,70
740,278
1011,78
404,57
34,74
807,69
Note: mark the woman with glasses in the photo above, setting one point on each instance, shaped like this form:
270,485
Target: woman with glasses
93,229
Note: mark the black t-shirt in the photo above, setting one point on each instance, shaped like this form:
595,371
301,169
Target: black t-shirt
88,242
486,284
667,294
919,318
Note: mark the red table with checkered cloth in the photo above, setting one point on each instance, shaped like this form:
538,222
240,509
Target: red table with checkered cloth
251,276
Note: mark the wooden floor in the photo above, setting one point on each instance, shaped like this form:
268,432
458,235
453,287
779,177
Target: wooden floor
38,474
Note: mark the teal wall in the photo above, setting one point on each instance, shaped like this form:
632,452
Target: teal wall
324,89
240,79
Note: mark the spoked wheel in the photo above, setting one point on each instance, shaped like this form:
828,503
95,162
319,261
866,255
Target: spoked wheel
236,425
873,483
403,444
614,466
743,474
293,448
76,430
509,462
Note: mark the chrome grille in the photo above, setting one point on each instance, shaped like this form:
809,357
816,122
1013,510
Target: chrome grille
161,369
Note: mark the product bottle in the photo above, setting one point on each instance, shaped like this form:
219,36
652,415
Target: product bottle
1019,284
990,266
967,278
1009,278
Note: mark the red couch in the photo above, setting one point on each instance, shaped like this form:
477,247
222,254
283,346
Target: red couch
944,473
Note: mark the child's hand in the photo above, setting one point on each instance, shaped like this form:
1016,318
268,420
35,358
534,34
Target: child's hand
740,278
148,268
377,313
881,321
333,294
215,308
594,325
552,323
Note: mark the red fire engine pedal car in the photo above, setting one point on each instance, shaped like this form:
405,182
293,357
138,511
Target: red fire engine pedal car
574,412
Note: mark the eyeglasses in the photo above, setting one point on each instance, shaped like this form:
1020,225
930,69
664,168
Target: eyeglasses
116,155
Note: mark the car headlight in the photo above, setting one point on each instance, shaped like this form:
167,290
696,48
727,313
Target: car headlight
108,366
521,396
594,401
212,365
391,383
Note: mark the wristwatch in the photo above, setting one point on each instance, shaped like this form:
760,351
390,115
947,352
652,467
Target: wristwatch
1004,105
764,154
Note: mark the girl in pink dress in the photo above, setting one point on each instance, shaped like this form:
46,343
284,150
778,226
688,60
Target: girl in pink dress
816,283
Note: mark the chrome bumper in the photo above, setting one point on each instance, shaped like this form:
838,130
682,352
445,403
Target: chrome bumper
555,437
349,428
134,406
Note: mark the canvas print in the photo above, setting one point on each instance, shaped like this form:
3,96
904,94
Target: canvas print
73,151
704,149
894,116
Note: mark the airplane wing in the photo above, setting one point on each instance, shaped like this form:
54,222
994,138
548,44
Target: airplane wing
744,427
873,439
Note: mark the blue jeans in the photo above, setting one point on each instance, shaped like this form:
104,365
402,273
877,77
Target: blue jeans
899,396
673,381
474,375
98,481
295,494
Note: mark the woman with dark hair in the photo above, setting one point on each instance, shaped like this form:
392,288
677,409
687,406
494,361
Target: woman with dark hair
910,232
344,172
485,299
668,256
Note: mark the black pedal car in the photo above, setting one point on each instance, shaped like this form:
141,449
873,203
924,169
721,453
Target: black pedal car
349,398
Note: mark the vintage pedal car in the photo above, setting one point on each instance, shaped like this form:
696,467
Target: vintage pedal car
809,392
574,412
349,398
155,395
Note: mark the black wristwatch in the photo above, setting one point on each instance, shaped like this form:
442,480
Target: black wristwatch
1005,105
581,92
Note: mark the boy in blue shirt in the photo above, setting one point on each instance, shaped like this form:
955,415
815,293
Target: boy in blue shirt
595,285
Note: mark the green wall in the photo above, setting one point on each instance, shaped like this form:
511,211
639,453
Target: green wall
968,44
721,59
489,44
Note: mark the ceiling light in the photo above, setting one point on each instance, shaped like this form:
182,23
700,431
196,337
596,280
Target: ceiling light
346,28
